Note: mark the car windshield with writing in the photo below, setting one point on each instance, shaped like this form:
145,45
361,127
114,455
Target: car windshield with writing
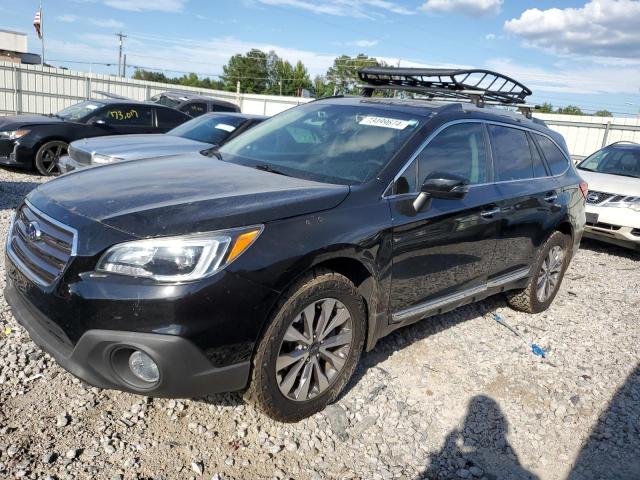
79,111
624,162
208,129
340,144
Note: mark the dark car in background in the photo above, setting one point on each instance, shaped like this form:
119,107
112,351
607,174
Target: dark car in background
196,135
272,267
28,141
192,104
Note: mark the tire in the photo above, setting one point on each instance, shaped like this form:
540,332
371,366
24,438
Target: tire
271,388
47,156
529,299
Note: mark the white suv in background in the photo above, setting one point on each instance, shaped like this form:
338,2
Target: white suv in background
613,201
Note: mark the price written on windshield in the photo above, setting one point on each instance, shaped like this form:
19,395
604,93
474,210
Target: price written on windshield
120,115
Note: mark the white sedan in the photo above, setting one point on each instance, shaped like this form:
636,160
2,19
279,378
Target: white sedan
613,201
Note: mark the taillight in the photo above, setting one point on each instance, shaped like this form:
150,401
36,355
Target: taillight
584,188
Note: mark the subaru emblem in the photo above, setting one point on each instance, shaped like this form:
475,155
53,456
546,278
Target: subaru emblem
33,231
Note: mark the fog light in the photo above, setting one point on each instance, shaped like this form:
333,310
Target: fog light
143,367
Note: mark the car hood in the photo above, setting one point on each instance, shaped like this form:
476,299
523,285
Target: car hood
184,194
131,147
617,184
14,122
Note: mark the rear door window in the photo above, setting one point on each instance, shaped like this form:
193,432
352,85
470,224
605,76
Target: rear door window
556,160
170,118
194,109
511,154
539,169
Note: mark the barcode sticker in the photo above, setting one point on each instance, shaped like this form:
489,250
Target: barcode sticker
386,122
225,127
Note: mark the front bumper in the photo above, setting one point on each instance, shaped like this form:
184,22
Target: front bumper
67,164
619,226
14,154
185,371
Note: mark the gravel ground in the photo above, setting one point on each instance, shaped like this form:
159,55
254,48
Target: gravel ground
456,396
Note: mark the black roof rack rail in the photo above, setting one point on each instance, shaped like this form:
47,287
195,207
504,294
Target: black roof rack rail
110,95
474,85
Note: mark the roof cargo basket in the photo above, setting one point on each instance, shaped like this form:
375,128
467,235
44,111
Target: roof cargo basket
474,85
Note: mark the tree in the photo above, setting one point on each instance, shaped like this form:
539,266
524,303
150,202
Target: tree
546,107
251,69
603,113
571,110
342,76
321,88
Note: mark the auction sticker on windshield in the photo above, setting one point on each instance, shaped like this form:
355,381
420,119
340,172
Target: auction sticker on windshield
225,127
387,122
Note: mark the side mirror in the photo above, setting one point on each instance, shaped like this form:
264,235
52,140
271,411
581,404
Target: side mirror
446,186
96,121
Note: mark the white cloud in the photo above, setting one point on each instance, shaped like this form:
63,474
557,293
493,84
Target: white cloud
572,79
106,22
471,8
344,8
67,18
147,5
363,43
601,28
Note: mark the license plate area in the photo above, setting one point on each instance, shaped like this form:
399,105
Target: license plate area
592,219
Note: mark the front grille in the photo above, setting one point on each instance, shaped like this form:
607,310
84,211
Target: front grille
40,246
80,156
605,226
635,232
596,198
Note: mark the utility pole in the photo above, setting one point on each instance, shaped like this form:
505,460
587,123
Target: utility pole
124,66
121,36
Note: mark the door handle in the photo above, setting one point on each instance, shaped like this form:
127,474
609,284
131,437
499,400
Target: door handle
490,213
551,197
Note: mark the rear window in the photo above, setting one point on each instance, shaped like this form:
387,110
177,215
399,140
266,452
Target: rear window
556,160
347,144
511,153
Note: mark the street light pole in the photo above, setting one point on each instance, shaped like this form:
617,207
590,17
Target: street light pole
121,36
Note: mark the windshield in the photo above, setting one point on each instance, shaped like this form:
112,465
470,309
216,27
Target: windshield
614,161
214,129
164,100
345,144
79,111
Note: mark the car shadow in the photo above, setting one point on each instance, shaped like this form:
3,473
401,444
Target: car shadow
479,449
613,448
406,336
12,193
599,246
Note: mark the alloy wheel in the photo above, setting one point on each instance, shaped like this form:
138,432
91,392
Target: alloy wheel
51,155
314,349
550,271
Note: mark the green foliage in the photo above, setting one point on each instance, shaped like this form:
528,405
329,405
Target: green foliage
251,69
603,113
546,107
570,110
189,80
342,76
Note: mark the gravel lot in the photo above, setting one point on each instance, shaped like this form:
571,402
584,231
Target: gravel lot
456,396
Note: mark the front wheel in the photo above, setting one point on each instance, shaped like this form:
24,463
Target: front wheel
548,272
311,348
48,155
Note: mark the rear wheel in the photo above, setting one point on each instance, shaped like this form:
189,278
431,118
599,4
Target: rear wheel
544,284
48,155
310,349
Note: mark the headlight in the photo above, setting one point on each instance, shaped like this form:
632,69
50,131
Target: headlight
625,202
182,258
101,159
13,134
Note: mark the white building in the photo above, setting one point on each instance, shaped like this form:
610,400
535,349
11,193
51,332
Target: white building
13,47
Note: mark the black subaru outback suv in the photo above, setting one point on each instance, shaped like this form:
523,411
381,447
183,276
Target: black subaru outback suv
273,264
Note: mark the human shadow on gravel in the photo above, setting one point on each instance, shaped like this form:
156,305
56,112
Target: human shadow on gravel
613,448
604,247
480,449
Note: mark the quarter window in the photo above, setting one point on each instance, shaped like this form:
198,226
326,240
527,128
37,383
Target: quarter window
460,150
194,109
511,153
555,158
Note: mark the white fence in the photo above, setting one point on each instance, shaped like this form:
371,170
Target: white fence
585,134
36,89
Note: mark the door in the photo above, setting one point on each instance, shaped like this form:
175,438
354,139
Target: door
447,247
528,198
119,119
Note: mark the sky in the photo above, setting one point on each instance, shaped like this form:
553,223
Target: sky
580,52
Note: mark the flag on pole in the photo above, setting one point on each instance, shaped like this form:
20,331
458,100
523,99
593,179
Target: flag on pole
37,23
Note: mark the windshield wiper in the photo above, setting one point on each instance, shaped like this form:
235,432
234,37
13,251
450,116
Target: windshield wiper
268,168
